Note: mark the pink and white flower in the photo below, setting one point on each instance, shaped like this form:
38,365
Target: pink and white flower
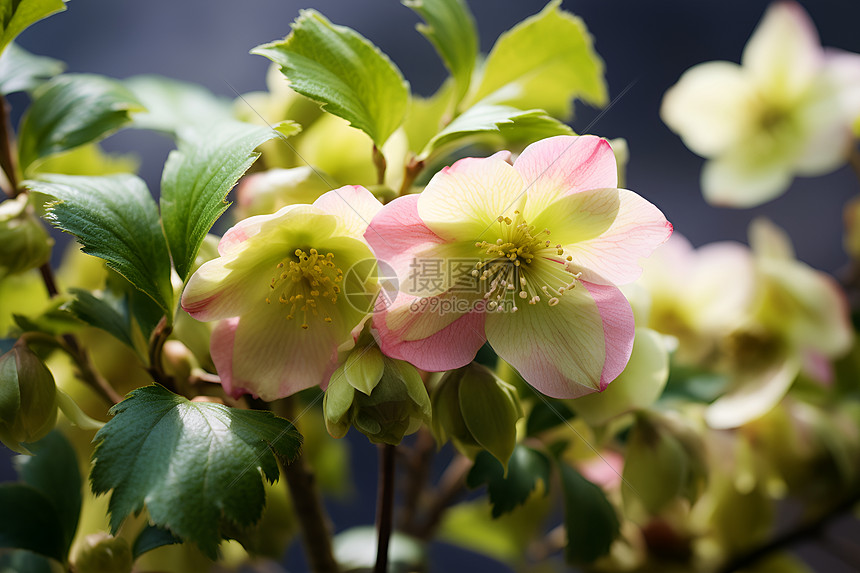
284,294
530,256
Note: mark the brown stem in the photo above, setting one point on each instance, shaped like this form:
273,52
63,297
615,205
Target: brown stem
307,502
385,506
379,162
412,170
854,161
451,486
8,160
802,531
156,347
418,461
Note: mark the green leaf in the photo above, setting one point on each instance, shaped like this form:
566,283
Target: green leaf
197,177
196,465
513,125
490,413
590,520
172,105
71,110
53,471
22,561
18,15
152,537
543,62
21,71
450,27
114,218
343,71
30,521
107,313
525,468
546,415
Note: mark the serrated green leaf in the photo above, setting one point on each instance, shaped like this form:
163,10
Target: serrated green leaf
53,471
21,71
525,468
197,177
195,465
71,110
152,537
114,218
110,315
344,71
18,15
513,125
543,62
30,521
450,27
172,105
590,520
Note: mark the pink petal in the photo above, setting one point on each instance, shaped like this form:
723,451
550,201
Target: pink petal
565,164
354,206
240,232
614,257
453,340
574,348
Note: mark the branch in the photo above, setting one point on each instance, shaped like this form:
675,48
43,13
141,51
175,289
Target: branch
451,486
385,506
379,162
800,532
156,345
418,460
8,160
307,501
412,170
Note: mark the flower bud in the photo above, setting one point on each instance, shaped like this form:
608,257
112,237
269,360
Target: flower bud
26,243
104,554
476,411
383,398
28,398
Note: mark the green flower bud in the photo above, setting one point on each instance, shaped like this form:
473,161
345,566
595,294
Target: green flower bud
266,192
383,398
104,554
26,243
663,462
28,398
477,411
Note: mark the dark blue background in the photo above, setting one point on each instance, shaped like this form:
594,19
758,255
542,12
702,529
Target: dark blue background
648,44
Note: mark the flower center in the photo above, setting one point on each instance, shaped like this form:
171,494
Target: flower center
523,264
309,283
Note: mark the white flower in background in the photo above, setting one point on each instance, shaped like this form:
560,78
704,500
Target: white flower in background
786,110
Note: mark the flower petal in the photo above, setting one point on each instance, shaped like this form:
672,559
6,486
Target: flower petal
557,166
755,394
711,107
432,333
461,202
225,287
614,257
353,205
784,53
273,357
574,348
734,181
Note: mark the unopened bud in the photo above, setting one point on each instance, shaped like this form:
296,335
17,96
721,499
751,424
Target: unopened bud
476,411
383,398
28,398
266,192
26,243
103,553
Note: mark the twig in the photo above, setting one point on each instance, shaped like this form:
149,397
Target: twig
802,531
156,346
8,159
379,162
411,172
307,501
385,506
418,461
451,486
